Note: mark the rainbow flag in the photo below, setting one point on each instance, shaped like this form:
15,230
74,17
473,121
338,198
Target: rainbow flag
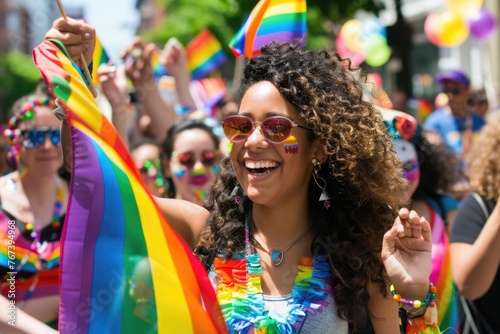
208,92
99,57
204,54
123,268
441,276
271,20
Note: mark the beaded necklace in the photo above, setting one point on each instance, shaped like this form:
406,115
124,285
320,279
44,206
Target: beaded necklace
240,296
37,246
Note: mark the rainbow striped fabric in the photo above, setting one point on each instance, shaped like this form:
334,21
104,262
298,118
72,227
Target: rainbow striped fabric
123,269
271,20
447,303
205,54
100,57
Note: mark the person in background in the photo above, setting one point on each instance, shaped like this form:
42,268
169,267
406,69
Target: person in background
475,237
33,203
455,122
148,158
431,171
192,159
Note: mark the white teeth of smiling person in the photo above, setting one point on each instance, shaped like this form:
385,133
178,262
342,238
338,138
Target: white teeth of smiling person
260,164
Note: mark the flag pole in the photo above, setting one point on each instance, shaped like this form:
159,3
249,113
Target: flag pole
86,72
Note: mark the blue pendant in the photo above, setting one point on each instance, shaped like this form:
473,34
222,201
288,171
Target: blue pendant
276,257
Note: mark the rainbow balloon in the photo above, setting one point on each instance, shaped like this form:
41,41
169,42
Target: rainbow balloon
123,268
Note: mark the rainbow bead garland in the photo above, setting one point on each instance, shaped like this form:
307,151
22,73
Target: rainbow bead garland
430,300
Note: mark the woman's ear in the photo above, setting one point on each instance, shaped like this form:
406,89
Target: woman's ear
319,151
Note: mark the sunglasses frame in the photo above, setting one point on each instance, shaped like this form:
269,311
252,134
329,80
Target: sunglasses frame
260,123
193,161
52,132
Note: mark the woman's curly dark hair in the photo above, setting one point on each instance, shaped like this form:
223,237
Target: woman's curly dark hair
362,172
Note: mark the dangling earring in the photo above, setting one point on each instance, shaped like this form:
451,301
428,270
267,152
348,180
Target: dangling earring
236,194
324,197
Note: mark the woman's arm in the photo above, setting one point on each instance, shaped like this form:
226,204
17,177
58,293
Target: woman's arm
475,265
383,312
186,218
138,57
19,321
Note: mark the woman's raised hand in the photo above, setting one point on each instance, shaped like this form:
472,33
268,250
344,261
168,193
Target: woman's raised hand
78,37
406,252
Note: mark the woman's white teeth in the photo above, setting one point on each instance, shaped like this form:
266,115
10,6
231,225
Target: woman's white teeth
260,164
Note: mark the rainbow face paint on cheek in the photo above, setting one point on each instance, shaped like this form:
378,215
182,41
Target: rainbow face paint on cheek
179,173
412,172
230,147
291,145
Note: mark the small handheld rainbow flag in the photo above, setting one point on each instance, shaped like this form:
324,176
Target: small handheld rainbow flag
271,20
204,54
123,268
99,57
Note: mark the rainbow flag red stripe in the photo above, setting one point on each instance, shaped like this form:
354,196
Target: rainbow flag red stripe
123,269
271,20
204,54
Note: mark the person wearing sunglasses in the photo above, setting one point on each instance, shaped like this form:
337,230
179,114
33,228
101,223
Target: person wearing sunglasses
148,158
302,230
192,159
33,201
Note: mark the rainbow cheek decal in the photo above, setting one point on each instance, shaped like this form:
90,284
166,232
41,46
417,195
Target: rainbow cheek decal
412,174
291,145
179,173
230,147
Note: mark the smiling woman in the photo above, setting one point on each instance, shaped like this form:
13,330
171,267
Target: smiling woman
33,201
280,259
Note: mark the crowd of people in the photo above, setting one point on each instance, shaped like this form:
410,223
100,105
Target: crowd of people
294,175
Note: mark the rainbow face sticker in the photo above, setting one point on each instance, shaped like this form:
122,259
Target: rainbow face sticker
230,147
408,155
179,173
291,145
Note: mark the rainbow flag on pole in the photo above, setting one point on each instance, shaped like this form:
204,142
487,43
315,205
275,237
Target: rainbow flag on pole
204,54
123,268
271,20
99,57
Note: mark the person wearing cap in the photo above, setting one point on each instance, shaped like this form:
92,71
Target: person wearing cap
455,121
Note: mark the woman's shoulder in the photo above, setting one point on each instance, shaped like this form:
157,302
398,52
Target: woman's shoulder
185,217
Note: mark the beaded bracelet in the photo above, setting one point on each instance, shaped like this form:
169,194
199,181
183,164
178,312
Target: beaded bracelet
429,301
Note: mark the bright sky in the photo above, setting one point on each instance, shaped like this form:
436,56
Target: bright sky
114,20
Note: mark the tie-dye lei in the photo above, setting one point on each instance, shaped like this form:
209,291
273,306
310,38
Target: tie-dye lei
240,296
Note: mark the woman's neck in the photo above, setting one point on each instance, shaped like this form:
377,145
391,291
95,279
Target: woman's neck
278,225
38,187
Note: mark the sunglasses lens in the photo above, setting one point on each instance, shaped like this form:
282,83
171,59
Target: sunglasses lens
186,159
55,136
237,128
36,137
209,158
277,129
